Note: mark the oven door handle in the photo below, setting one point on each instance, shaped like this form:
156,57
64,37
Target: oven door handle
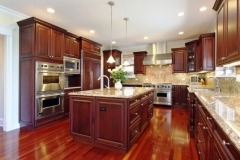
50,72
50,95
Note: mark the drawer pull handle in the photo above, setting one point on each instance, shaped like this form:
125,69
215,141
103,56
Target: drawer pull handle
204,127
136,131
199,141
209,118
136,114
223,58
199,153
200,124
225,143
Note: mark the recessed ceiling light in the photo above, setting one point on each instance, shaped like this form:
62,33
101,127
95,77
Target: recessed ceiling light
180,32
92,31
180,14
145,37
50,10
203,9
113,42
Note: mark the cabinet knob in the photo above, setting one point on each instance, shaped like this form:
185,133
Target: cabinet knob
225,143
136,114
199,141
204,127
223,58
136,131
199,152
208,118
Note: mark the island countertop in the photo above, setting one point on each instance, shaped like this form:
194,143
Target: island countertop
125,92
225,109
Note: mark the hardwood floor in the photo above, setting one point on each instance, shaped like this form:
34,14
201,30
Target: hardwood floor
166,138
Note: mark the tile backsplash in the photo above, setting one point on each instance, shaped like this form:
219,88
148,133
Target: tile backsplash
160,74
163,74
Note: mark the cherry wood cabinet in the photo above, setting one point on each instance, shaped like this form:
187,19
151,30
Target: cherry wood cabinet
191,112
110,123
205,57
211,141
179,96
90,64
179,64
139,68
71,45
227,31
66,100
117,57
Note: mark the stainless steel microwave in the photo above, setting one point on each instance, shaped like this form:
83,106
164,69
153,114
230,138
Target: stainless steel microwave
194,79
71,65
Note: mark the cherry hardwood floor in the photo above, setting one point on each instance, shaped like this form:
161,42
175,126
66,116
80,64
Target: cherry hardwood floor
166,138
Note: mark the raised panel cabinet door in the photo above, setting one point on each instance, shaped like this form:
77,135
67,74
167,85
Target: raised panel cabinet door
179,61
82,117
208,51
220,54
43,41
144,114
176,94
111,122
96,71
86,77
232,22
75,48
57,45
184,95
138,64
67,45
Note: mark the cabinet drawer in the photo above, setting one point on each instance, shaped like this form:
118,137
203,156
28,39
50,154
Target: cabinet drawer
144,96
134,114
134,134
200,152
135,100
150,112
150,99
225,142
151,93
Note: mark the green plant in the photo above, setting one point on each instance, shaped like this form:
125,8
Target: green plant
118,74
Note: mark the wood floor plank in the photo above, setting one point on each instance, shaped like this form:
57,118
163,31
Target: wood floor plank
166,138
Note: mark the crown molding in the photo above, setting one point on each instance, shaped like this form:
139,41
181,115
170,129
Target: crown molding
12,13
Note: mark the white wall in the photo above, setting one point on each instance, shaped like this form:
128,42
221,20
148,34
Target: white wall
1,76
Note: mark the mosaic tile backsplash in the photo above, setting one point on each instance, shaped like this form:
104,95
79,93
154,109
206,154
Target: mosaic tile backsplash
163,74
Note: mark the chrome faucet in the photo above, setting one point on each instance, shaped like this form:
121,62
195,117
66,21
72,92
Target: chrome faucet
107,79
217,83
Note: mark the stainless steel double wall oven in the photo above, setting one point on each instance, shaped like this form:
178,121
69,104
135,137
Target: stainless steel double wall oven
49,89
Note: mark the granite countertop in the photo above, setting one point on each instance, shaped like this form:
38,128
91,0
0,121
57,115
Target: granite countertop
125,92
225,109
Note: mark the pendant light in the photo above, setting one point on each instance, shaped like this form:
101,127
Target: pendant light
126,63
111,59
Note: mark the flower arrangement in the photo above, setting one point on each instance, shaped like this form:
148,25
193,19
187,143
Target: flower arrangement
118,74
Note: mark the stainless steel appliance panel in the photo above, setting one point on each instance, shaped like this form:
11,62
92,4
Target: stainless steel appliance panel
163,97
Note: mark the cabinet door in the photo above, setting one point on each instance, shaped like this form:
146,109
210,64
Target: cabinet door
208,54
144,114
232,37
67,45
95,69
184,94
43,41
111,122
86,77
220,54
176,91
75,48
138,64
57,45
179,61
82,116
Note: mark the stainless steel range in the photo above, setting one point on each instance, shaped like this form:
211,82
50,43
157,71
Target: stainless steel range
163,94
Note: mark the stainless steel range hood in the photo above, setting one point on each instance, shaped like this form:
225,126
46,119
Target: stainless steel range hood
158,55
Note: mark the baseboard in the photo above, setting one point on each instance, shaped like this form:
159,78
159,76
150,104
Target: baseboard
1,121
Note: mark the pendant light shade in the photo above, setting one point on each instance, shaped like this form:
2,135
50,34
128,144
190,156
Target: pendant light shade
111,59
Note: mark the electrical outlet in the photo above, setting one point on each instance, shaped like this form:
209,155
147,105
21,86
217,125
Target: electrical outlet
238,78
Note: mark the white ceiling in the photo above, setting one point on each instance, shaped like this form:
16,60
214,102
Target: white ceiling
156,19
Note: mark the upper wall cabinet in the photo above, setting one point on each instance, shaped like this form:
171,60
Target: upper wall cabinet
117,56
191,55
205,57
179,60
41,39
71,45
138,62
88,45
228,31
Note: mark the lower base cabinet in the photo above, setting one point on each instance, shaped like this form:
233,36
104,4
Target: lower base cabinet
212,142
179,96
110,123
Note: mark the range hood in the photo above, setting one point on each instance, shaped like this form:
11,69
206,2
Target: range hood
158,55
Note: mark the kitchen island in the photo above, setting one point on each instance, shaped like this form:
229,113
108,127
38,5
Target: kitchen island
109,118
